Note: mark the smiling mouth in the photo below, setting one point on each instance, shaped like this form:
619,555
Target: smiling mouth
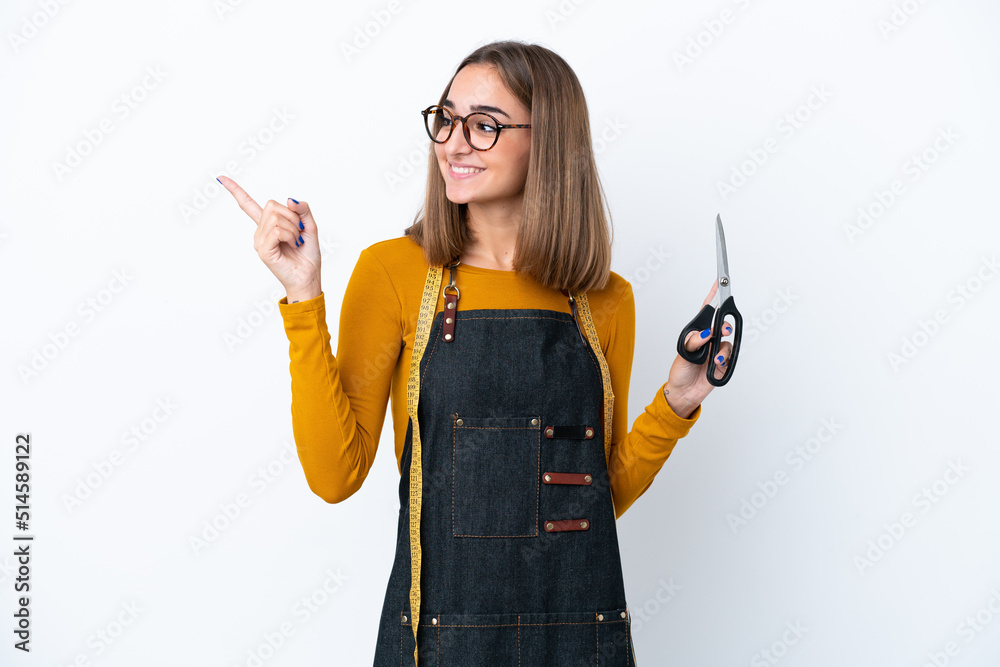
464,170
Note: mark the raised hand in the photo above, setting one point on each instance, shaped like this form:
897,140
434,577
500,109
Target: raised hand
688,386
286,240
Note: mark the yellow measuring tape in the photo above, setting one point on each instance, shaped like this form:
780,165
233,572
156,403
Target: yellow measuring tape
583,310
428,304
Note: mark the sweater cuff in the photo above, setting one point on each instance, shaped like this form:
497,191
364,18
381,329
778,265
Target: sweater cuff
291,310
676,427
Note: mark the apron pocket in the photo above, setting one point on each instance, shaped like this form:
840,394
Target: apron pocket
495,476
571,639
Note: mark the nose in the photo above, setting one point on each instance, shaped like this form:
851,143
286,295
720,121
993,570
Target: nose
457,134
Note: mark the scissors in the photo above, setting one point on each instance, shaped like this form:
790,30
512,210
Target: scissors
712,317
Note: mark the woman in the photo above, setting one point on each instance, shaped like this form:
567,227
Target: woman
508,554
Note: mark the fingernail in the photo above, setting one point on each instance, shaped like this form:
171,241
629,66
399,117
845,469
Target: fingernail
220,182
729,329
301,226
294,200
296,244
721,359
704,334
300,240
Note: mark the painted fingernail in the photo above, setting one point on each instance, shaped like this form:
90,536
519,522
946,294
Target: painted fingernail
301,226
294,200
296,244
721,359
220,182
729,329
704,334
301,240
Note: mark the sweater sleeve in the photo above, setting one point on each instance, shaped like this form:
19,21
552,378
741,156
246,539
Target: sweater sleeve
339,403
637,455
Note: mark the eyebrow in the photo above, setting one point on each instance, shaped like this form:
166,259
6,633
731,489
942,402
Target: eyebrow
478,107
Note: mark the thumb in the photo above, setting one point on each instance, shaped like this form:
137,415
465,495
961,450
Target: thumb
302,209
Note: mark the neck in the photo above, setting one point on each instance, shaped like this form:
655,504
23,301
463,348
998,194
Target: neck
494,227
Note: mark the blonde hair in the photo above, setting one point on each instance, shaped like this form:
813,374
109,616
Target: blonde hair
564,237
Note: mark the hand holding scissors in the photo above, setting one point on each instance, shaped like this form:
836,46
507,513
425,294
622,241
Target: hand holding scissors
711,322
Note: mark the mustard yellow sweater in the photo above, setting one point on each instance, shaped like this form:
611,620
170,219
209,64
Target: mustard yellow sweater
339,403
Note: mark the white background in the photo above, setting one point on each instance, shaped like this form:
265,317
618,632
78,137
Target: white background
824,311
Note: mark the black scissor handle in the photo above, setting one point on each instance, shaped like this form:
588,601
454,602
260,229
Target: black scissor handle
728,307
702,321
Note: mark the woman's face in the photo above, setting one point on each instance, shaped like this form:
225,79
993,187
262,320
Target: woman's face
502,171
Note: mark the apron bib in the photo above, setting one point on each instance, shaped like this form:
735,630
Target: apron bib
519,558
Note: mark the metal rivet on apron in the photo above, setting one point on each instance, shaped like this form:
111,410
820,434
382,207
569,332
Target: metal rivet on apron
450,305
534,422
588,479
448,320
549,526
434,621
549,431
583,524
459,422
447,336
590,433
404,618
600,617
548,478
623,614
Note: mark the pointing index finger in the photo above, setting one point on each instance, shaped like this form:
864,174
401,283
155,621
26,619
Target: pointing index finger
246,202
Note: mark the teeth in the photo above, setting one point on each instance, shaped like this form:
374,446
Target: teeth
465,170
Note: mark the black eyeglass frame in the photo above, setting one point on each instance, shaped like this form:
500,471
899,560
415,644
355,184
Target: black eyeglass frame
465,126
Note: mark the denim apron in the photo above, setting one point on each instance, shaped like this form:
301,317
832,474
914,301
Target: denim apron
519,552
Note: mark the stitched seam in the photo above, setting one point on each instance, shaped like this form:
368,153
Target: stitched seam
512,625
538,486
597,651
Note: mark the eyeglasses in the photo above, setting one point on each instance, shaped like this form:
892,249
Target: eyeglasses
481,129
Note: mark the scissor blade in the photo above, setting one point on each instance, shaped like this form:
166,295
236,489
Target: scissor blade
723,259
